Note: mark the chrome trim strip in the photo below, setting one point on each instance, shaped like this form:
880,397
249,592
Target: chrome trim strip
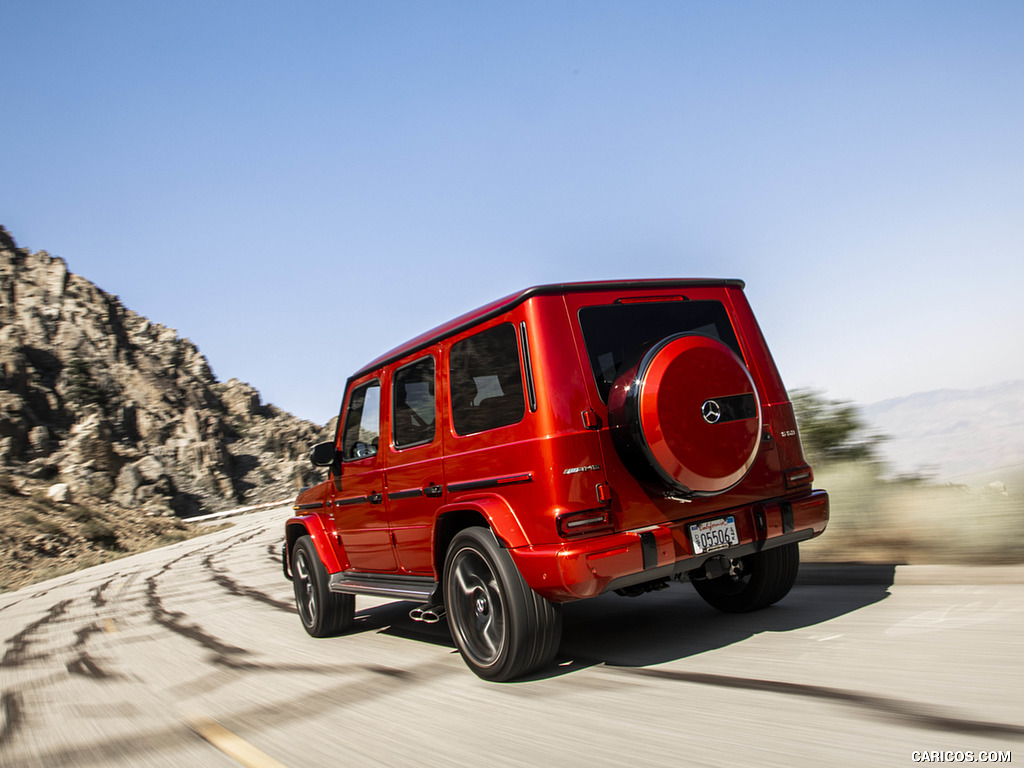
418,588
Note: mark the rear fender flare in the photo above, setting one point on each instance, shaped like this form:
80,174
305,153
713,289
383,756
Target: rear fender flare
496,511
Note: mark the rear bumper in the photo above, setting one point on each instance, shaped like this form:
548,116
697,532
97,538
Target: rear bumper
588,567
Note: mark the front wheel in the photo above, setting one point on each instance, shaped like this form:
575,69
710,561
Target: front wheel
502,628
323,613
756,581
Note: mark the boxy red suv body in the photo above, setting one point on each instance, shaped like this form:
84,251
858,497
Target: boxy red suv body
556,444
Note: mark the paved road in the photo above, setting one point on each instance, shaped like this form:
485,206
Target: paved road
193,655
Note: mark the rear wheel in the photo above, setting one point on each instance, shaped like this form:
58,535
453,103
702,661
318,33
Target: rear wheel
502,628
756,581
323,613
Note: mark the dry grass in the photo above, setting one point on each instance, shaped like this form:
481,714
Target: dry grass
915,522
40,539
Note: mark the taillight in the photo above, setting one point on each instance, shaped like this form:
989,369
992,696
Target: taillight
580,523
797,476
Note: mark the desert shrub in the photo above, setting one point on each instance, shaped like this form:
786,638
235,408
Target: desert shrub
100,532
81,387
81,514
833,430
37,522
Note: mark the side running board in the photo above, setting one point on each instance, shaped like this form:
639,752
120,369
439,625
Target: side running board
419,588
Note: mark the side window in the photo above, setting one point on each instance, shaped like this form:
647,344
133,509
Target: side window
362,423
412,414
485,381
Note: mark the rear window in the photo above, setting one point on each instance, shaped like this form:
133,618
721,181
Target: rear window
617,335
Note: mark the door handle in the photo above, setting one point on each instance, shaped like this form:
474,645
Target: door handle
375,498
433,490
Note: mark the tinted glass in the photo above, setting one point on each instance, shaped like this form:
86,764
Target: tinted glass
362,423
413,413
486,381
617,334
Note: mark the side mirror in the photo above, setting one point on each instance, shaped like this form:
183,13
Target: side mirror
322,454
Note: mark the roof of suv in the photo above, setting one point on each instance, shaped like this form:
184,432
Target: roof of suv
501,305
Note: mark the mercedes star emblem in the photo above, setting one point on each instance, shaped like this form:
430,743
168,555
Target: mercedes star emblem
711,411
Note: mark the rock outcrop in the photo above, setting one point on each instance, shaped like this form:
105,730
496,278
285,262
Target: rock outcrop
105,405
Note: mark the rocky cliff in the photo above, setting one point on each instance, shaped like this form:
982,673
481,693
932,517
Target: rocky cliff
100,406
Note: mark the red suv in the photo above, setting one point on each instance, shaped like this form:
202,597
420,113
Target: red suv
554,445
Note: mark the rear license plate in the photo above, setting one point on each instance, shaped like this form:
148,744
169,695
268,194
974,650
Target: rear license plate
714,534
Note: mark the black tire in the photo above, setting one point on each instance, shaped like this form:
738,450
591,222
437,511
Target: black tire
762,579
502,628
323,613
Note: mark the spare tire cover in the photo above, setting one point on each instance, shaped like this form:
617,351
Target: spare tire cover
687,415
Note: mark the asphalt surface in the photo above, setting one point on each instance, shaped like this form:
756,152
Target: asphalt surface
193,655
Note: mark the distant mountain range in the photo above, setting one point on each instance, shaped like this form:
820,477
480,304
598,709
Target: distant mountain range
968,436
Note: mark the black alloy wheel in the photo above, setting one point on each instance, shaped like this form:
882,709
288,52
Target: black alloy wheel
502,628
323,613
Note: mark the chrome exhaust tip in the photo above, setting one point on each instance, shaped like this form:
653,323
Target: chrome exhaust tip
428,614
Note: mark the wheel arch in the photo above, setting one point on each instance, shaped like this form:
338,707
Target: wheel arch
485,510
313,526
446,528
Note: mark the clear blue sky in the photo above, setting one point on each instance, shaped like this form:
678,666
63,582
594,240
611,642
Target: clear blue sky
297,187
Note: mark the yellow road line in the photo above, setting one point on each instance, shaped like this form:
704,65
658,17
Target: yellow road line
231,745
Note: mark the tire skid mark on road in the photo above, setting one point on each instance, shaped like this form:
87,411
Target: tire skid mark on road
224,653
97,597
212,682
19,653
911,712
221,579
231,586
262,717
82,634
18,645
173,620
232,543
11,708
311,669
83,664
371,681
